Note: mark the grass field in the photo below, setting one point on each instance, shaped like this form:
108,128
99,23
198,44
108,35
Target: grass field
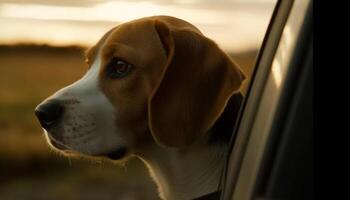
28,168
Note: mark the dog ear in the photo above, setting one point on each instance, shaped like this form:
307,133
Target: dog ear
195,85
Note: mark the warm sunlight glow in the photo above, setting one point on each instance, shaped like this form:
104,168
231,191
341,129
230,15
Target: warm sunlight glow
234,26
282,56
276,73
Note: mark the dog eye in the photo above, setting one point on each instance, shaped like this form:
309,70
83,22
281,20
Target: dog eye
118,68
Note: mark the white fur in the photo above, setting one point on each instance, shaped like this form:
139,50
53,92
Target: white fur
183,174
88,124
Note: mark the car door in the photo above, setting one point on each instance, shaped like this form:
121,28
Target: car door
271,152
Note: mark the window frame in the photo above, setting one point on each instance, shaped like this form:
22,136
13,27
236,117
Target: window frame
255,130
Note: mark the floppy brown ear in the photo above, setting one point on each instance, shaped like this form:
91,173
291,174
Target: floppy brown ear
197,81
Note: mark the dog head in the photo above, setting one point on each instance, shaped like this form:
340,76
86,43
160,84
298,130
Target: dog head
155,80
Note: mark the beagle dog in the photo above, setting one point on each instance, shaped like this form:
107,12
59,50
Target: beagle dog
157,89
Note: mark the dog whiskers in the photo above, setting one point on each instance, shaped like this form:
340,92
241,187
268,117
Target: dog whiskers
69,161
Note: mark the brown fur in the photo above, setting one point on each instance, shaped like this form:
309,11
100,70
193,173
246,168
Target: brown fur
180,83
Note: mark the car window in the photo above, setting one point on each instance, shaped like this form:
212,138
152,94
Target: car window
265,134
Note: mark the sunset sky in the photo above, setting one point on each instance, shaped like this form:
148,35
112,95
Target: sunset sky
235,25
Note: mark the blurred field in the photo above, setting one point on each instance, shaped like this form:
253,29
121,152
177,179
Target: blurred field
28,168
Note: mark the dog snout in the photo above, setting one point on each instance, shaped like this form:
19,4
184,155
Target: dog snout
49,113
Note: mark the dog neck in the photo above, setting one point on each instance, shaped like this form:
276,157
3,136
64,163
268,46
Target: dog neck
192,172
185,173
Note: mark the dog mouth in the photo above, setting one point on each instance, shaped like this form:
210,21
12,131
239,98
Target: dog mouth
58,145
117,154
61,147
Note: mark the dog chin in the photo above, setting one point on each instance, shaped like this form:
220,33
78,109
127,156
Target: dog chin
115,155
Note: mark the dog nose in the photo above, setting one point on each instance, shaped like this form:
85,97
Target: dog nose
48,113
